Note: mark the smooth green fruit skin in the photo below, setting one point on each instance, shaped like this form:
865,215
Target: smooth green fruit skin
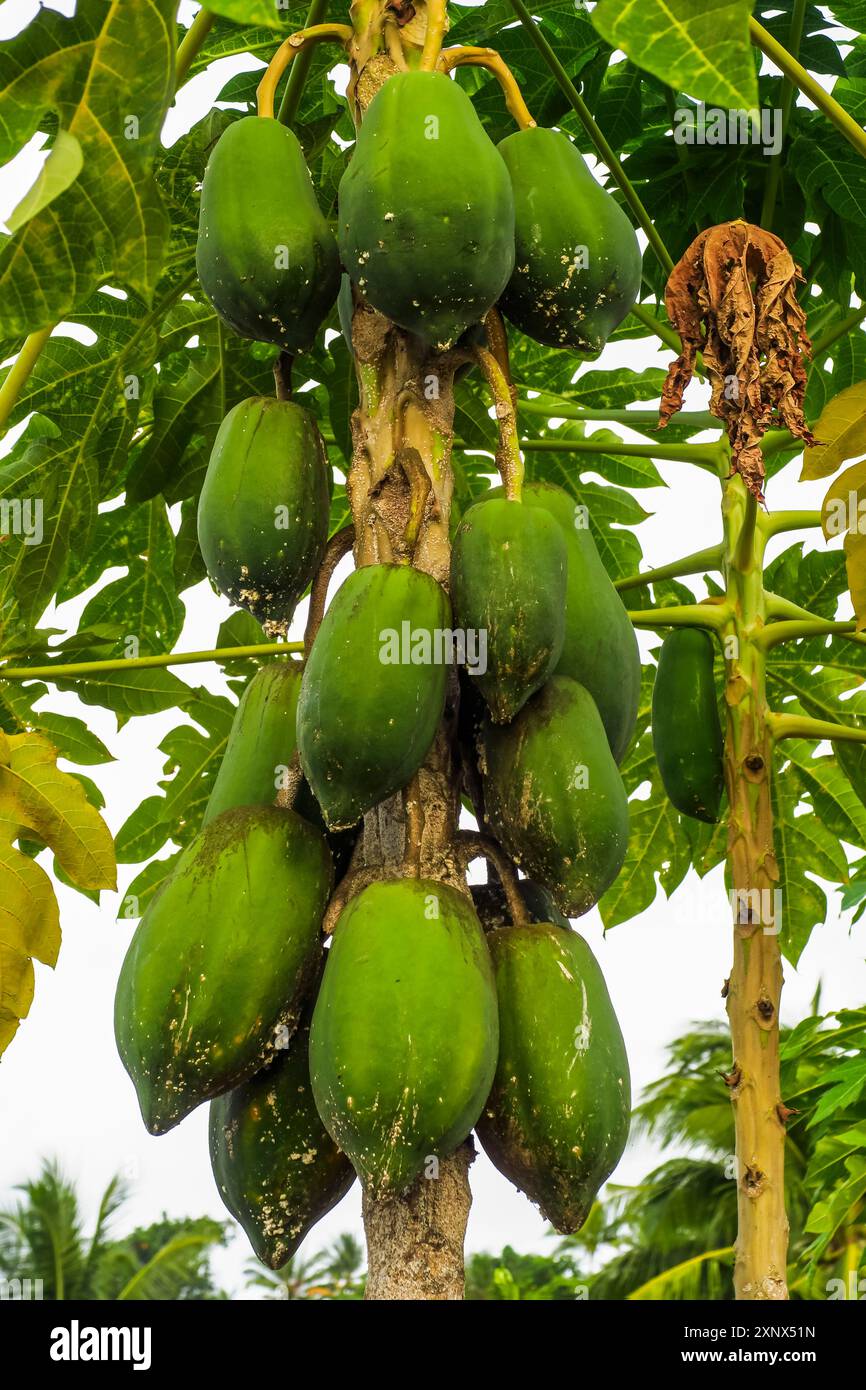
262,739
554,796
277,1168
687,732
365,725
557,1118
508,580
599,649
560,294
264,509
426,212
221,959
404,1037
266,258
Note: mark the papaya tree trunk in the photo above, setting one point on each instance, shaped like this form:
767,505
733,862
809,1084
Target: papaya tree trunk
415,1242
755,984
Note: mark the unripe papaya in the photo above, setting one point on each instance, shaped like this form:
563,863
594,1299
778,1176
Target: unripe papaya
262,739
426,212
599,649
404,1036
508,580
277,1168
264,509
557,1118
373,689
554,797
266,258
221,960
577,267
687,733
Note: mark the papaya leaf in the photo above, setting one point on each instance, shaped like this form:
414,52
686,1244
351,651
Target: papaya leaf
841,430
40,802
145,886
266,12
694,46
72,739
855,561
60,169
802,842
130,692
144,602
108,75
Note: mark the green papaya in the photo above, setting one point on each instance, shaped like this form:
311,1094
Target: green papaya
277,1168
266,258
404,1035
554,796
264,509
577,268
221,960
426,212
508,581
373,689
261,741
687,733
599,649
557,1118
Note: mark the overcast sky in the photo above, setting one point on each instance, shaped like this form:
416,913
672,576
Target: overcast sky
63,1091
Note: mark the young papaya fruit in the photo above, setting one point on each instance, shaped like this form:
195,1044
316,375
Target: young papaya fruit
687,733
557,1117
577,267
221,960
264,509
373,690
426,212
266,258
554,796
277,1168
404,1035
508,580
599,649
261,741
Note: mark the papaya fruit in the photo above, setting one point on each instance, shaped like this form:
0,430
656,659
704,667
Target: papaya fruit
599,648
687,733
262,739
266,258
221,960
557,1117
554,796
508,580
264,509
425,211
404,1035
275,1165
577,267
373,690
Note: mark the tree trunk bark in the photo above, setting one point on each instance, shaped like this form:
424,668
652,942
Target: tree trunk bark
415,1242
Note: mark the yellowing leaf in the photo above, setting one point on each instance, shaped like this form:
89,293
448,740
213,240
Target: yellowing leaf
41,803
841,507
855,559
842,431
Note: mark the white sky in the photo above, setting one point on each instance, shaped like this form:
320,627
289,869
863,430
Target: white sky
63,1091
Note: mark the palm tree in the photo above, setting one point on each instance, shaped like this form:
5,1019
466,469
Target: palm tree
334,1273
42,1239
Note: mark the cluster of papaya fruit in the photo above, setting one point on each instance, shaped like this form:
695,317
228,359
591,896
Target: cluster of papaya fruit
420,1021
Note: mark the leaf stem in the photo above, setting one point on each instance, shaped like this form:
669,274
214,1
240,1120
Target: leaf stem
288,51
20,370
668,335
558,407
838,330
488,58
696,563
59,671
703,455
775,523
300,69
508,458
437,20
802,726
797,628
774,173
711,615
796,73
604,150
191,44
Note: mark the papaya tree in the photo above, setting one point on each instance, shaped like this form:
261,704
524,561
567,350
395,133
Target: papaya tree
329,322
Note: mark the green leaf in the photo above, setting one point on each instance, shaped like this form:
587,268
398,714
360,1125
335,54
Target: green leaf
697,46
144,602
145,886
72,739
130,692
267,12
61,168
803,846
108,75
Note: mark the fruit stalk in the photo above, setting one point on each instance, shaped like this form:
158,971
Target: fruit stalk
755,985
